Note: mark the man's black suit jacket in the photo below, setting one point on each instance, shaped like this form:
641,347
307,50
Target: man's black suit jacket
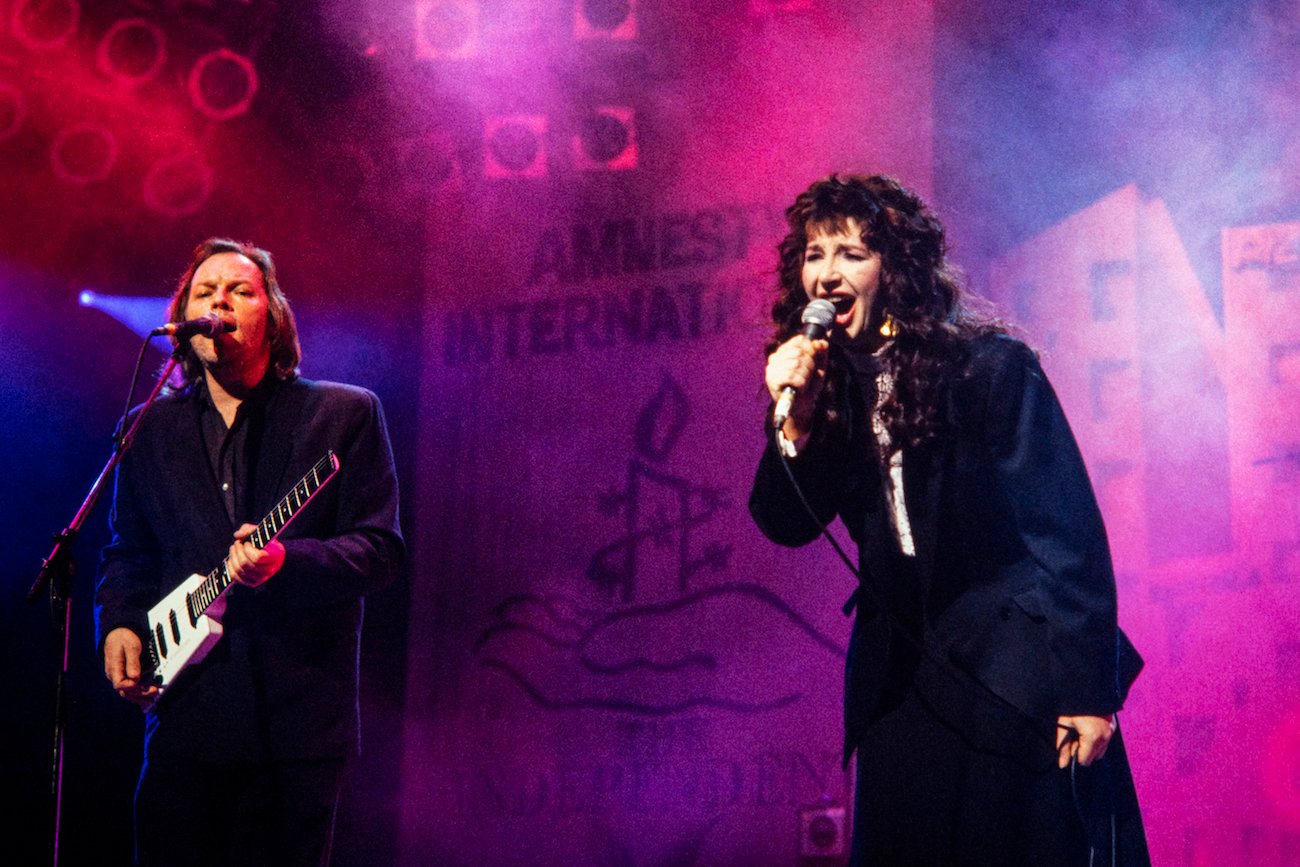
1012,579
282,681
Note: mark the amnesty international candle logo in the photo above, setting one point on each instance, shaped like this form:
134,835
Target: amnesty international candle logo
667,521
672,633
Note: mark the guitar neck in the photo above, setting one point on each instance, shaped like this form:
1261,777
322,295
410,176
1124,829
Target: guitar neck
269,528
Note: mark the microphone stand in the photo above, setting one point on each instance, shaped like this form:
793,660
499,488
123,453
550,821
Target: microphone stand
57,571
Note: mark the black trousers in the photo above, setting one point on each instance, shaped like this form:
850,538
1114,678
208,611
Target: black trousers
192,813
976,785
927,797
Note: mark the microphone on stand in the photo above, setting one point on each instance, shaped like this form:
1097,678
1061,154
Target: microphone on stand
817,318
206,326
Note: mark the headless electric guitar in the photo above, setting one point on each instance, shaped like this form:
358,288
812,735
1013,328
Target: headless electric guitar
186,624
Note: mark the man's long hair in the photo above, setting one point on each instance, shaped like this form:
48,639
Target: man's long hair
934,320
286,353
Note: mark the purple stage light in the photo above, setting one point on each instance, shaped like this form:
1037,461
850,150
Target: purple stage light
140,314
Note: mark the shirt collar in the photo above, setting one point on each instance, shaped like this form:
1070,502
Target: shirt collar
260,394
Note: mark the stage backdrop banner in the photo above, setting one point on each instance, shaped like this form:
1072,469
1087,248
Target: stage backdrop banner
1189,431
608,663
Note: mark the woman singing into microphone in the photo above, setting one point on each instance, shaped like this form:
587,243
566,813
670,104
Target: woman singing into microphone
985,664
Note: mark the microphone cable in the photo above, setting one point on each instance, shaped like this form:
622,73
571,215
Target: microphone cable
120,433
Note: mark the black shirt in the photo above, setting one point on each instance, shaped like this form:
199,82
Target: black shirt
228,447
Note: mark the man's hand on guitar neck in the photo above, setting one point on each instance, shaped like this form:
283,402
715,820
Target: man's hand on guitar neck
122,650
250,565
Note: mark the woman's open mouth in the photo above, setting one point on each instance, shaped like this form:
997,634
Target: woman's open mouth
843,308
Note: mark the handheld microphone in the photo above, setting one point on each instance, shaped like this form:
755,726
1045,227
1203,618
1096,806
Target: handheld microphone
207,326
817,318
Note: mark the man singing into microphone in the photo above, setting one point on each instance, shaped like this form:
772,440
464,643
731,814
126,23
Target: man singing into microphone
985,664
245,753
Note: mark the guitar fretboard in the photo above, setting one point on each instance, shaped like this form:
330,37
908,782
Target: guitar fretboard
275,521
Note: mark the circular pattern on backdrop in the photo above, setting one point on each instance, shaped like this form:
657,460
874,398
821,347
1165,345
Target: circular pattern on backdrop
178,186
132,51
44,24
13,110
222,84
603,137
606,14
446,27
83,153
515,146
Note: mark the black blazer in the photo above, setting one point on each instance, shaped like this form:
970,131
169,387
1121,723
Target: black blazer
282,682
1012,578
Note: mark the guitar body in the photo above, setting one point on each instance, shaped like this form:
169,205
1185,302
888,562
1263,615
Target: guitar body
186,624
180,640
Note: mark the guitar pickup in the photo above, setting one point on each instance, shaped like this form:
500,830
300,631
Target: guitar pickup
161,640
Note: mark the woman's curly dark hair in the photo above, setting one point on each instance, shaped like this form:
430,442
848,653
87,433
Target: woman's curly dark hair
934,319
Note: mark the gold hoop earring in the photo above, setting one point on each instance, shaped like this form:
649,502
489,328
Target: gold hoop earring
888,329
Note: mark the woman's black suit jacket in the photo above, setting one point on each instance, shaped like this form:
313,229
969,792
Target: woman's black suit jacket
282,681
1012,578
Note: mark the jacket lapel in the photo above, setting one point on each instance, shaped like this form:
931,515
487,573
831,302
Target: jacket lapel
879,544
922,483
276,441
